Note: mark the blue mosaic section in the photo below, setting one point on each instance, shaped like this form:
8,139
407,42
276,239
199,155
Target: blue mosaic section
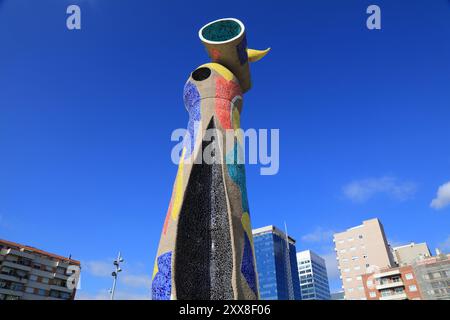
248,267
162,283
237,173
191,98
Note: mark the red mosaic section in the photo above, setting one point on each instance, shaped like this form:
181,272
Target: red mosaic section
227,89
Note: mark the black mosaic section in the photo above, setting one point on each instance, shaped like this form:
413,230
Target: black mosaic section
221,267
203,259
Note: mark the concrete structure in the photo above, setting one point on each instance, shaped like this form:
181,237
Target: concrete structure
206,247
312,272
27,273
407,254
276,264
398,283
360,250
337,295
433,276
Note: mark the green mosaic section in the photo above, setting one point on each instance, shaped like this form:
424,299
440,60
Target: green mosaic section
221,31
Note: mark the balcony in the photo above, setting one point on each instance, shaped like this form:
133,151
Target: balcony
18,253
15,265
46,262
60,276
11,277
59,288
390,284
11,292
387,273
42,273
395,296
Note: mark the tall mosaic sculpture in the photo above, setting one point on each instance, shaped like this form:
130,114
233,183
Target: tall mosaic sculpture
206,247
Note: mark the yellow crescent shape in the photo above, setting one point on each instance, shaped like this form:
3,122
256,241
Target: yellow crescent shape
255,55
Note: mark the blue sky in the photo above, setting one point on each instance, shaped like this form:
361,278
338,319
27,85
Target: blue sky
86,118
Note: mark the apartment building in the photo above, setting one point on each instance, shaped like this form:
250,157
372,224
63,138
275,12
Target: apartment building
360,250
398,283
433,276
407,254
27,273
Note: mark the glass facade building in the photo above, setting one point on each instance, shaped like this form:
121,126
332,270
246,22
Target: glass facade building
312,271
277,265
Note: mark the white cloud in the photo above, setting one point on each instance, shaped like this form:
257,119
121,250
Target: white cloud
362,190
443,197
136,281
98,268
318,235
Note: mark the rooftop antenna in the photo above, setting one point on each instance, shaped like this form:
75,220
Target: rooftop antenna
287,237
288,265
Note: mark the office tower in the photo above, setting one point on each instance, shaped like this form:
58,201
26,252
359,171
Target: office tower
407,254
359,250
398,283
313,275
337,295
433,276
276,264
27,273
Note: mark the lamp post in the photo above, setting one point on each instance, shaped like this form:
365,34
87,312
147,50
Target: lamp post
115,273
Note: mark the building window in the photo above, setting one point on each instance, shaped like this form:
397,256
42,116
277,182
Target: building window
357,267
369,283
348,279
42,292
342,251
354,258
409,276
412,288
385,293
37,266
352,249
61,270
29,290
33,277
350,239
358,278
399,290
360,236
372,294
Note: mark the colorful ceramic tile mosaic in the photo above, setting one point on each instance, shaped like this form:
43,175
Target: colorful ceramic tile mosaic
206,247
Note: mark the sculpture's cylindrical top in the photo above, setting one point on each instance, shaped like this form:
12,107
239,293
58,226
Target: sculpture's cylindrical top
226,43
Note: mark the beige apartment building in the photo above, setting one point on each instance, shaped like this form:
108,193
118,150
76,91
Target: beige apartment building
408,253
360,250
27,273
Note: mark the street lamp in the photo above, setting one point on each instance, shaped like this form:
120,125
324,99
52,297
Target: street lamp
115,273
